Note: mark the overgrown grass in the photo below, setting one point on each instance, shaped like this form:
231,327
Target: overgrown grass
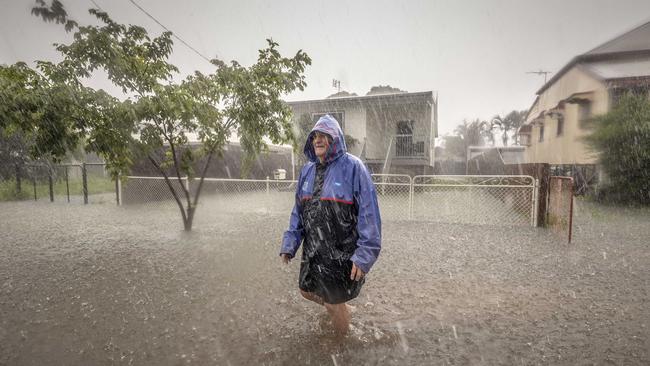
96,185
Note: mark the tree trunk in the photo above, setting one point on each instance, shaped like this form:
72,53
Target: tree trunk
190,218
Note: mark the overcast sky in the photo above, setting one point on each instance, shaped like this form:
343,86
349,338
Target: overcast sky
474,54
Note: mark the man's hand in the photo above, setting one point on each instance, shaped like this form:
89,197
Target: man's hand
286,258
356,274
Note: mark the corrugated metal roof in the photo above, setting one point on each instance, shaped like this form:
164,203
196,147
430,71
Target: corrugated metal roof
634,40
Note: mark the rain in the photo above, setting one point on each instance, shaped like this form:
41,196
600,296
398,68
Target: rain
145,206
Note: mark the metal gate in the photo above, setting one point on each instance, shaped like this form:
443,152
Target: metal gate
475,199
394,195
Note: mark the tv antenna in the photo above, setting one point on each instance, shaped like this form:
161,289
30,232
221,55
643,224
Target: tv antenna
337,85
540,72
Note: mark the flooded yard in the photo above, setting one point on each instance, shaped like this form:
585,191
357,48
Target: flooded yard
101,284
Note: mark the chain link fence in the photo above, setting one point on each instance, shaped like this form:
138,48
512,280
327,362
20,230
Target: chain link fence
394,194
495,200
228,195
471,199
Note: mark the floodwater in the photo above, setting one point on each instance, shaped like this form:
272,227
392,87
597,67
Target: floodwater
102,284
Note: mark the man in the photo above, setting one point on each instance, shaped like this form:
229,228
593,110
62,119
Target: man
336,217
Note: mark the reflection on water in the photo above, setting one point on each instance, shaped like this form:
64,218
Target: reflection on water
102,284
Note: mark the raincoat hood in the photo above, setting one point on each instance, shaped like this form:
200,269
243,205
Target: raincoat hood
328,125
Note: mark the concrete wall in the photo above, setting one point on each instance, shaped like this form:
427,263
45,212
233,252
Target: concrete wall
374,120
382,126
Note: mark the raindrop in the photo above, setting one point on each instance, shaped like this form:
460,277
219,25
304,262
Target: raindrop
402,339
334,360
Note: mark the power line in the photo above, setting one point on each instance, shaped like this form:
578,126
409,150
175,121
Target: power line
167,29
97,5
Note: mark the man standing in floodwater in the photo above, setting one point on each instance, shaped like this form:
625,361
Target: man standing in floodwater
336,217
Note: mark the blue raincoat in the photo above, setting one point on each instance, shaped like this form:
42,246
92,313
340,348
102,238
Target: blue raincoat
336,218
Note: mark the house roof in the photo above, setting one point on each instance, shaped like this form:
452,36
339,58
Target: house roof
428,95
634,40
632,44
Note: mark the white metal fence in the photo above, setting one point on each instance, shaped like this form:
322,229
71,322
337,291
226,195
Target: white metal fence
497,200
477,199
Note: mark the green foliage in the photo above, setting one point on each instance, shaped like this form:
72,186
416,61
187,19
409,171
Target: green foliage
622,140
96,185
54,13
160,114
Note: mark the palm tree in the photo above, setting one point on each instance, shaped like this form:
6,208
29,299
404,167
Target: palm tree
511,122
487,131
470,133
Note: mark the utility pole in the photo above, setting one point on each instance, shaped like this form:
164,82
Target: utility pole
540,72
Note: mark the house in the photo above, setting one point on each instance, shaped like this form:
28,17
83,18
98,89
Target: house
589,85
396,131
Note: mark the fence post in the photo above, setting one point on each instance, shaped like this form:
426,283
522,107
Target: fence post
67,183
34,181
51,183
84,182
267,185
411,194
18,180
118,190
535,202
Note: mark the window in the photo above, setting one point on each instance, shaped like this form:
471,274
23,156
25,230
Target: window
584,113
339,116
405,142
541,133
405,128
560,124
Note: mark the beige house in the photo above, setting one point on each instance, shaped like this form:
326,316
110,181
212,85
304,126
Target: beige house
396,132
587,86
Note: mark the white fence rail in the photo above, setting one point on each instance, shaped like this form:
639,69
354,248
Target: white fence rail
495,200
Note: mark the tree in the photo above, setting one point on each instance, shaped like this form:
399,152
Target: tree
511,122
468,134
162,115
381,89
487,131
622,140
14,155
47,108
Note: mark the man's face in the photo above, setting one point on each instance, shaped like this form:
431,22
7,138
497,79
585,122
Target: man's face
321,143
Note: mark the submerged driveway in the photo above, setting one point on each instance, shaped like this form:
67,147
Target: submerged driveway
101,284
